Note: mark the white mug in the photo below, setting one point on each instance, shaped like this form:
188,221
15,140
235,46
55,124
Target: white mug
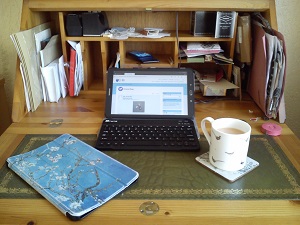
228,142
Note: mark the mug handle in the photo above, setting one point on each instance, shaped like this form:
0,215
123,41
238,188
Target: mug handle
203,127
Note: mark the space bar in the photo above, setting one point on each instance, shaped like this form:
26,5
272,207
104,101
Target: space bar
143,143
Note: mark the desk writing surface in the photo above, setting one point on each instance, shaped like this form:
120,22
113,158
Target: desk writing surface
83,115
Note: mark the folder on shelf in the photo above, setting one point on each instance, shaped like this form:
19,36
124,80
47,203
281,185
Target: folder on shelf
76,76
243,44
25,45
51,51
72,71
267,77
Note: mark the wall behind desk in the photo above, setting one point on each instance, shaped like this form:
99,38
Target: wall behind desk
288,23
10,17
288,20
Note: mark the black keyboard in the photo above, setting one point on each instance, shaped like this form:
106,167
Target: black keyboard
147,135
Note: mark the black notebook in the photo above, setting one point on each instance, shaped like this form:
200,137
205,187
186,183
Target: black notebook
149,109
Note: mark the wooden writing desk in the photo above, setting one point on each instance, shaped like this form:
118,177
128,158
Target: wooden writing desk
83,115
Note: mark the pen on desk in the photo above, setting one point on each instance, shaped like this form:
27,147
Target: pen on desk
171,60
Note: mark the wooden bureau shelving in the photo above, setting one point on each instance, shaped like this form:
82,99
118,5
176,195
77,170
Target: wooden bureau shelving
99,52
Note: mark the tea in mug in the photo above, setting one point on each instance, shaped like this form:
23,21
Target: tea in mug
230,130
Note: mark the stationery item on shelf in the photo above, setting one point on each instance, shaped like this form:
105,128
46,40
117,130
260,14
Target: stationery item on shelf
72,71
216,88
94,23
118,58
64,85
208,58
149,32
236,72
193,49
26,47
25,85
73,25
51,51
203,23
41,40
243,44
121,33
76,76
210,75
225,24
50,74
54,80
75,177
196,59
222,59
202,46
51,82
267,77
143,57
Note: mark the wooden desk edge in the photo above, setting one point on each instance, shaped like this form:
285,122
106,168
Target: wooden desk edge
170,212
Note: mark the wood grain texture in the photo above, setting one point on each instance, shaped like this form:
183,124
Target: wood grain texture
170,212
157,5
83,115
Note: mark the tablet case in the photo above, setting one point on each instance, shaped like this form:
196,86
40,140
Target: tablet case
75,177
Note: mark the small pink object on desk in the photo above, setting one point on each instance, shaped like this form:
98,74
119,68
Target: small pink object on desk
271,129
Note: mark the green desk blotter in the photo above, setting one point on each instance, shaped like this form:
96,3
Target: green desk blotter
177,175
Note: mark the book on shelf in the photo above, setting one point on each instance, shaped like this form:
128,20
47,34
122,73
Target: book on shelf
203,23
222,59
143,57
225,24
76,70
72,175
72,71
196,59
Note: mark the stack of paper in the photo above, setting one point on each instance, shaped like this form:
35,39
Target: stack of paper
193,49
54,81
41,65
25,45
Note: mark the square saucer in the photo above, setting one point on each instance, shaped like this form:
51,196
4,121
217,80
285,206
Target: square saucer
231,176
